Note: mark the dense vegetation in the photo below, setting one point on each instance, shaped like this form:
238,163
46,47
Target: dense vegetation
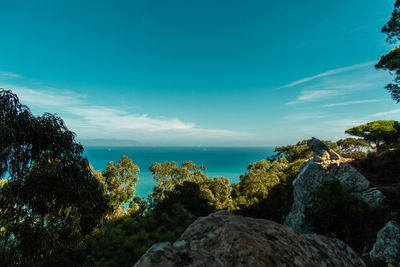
183,193
49,199
353,222
54,208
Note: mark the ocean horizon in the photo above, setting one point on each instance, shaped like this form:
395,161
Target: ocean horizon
230,162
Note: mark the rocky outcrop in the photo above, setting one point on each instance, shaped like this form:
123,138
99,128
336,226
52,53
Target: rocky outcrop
387,245
223,239
324,166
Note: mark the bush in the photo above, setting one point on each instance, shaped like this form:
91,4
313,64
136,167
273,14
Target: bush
336,213
276,201
123,242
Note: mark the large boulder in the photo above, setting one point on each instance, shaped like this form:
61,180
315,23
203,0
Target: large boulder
387,245
223,239
326,165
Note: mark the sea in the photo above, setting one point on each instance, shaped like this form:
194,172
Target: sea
230,162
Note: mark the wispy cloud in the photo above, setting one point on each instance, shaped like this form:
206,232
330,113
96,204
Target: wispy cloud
342,124
7,74
385,113
97,121
304,116
355,102
47,98
315,95
328,73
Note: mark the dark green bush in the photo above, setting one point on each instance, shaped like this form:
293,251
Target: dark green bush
123,242
337,213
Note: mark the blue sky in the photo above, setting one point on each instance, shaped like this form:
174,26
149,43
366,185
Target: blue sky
216,73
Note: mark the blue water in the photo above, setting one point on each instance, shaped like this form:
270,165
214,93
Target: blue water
229,162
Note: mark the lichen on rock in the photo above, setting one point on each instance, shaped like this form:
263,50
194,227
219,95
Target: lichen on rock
223,239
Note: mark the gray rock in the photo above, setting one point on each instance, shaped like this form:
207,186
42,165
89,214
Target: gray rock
321,151
387,245
325,166
223,239
371,196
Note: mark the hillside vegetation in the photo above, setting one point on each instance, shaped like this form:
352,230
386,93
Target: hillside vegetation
56,209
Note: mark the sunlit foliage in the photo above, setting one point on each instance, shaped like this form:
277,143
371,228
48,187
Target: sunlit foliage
378,132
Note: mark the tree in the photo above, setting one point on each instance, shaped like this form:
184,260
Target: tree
377,132
168,174
188,185
256,184
119,181
51,199
353,147
300,150
391,61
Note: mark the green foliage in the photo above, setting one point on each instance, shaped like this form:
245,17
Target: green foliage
256,183
275,207
182,194
391,60
123,242
265,191
51,199
353,147
189,195
119,181
295,152
216,191
377,132
169,175
300,150
334,211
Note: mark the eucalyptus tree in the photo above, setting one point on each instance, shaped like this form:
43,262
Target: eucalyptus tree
49,198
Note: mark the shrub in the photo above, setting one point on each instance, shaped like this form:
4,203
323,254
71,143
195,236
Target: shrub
337,213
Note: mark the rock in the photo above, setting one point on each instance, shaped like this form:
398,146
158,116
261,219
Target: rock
223,239
371,196
321,151
387,245
325,166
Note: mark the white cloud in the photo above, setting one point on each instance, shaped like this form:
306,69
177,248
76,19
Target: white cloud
390,112
354,83
304,116
343,124
315,95
328,73
95,121
355,102
46,98
7,74
119,119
